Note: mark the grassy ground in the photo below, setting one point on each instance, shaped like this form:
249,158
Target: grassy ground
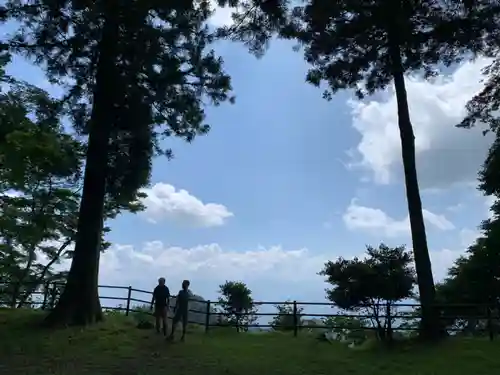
116,347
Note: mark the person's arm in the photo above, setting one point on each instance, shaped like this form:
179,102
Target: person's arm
177,302
168,299
153,299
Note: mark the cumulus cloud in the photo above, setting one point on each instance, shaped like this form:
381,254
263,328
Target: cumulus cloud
210,262
442,260
163,201
375,220
273,273
446,155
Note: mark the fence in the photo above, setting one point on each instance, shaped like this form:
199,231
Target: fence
47,296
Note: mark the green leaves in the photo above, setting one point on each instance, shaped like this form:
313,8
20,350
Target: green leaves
385,275
39,182
285,321
237,303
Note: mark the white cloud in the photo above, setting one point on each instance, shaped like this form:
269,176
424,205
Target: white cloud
468,237
442,260
273,273
456,208
163,201
446,155
439,221
488,202
374,220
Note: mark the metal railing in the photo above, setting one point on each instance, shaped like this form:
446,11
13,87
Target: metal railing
401,312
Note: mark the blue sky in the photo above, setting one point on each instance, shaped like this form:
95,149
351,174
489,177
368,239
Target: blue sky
286,180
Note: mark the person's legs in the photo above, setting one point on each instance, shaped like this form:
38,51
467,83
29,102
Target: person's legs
175,320
165,322
157,314
184,325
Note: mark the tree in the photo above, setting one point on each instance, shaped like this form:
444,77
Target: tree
40,184
135,72
472,289
473,285
237,304
348,328
287,319
365,45
373,284
40,166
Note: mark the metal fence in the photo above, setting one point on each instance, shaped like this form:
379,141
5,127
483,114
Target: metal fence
401,314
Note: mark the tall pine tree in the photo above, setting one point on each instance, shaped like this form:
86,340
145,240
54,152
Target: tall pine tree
365,45
135,73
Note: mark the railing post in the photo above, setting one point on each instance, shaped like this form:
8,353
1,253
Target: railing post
490,323
129,296
295,319
45,295
207,317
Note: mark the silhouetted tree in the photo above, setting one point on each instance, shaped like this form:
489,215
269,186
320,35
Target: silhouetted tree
372,284
365,46
237,304
135,72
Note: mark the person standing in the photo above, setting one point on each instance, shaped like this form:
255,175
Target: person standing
161,302
181,310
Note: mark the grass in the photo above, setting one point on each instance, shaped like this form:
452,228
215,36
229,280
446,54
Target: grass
116,347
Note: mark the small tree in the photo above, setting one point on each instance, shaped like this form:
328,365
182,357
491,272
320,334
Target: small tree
237,304
372,284
286,319
348,328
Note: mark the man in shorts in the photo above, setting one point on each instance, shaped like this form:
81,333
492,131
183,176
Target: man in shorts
181,310
161,301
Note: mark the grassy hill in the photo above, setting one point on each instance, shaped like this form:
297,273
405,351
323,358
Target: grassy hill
117,347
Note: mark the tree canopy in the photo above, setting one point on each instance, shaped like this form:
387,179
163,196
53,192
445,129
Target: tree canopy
237,304
135,73
372,284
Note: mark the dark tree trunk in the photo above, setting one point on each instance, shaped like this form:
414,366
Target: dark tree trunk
388,322
79,303
430,322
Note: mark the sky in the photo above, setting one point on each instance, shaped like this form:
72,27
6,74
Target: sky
286,181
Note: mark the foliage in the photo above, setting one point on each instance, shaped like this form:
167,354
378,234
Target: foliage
472,289
38,181
364,46
348,328
162,94
134,73
237,304
473,282
287,319
372,284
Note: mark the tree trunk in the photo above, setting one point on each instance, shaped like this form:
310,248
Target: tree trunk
430,319
79,303
388,321
41,276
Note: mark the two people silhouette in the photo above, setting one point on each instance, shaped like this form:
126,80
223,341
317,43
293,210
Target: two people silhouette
161,303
